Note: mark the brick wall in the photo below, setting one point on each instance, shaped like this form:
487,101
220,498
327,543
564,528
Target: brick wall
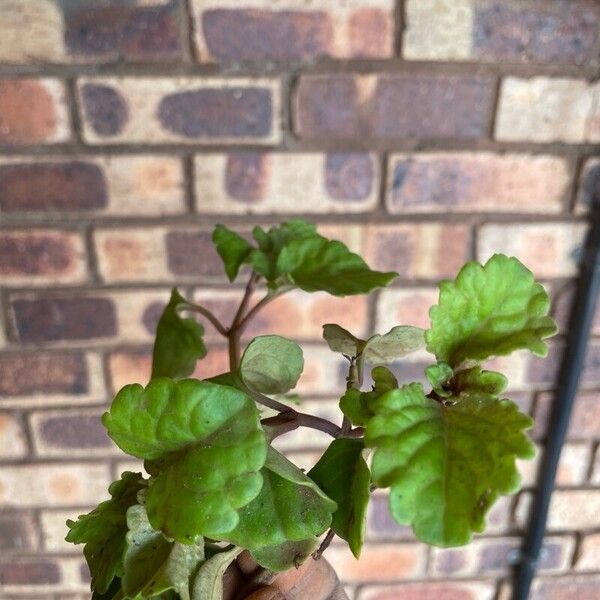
420,132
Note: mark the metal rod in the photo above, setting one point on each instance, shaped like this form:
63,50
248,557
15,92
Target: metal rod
580,325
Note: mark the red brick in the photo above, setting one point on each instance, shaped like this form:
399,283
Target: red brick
250,182
41,257
51,319
119,185
13,440
392,106
40,576
114,31
17,532
162,110
467,182
70,433
380,562
257,30
32,111
37,571
566,588
405,306
430,591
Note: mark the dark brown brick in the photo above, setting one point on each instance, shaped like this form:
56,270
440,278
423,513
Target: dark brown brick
29,571
192,253
255,34
545,370
349,176
585,418
545,31
115,30
54,319
246,175
35,254
104,108
26,374
75,185
397,106
237,112
589,191
17,532
70,431
381,525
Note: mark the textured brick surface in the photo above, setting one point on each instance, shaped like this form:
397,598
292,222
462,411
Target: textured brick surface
17,532
466,182
584,588
13,442
33,111
155,110
379,106
293,30
430,591
538,31
545,109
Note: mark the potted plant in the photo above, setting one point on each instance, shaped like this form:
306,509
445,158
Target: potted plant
218,499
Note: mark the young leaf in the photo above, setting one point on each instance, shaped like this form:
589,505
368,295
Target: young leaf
357,405
290,508
203,445
178,345
103,531
447,382
445,465
489,310
271,364
344,476
153,564
317,264
340,340
398,341
208,583
232,248
440,376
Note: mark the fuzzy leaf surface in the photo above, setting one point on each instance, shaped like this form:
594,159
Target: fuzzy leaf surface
290,508
203,445
153,564
341,340
271,364
103,531
317,264
178,344
208,583
399,341
446,465
489,310
232,248
342,473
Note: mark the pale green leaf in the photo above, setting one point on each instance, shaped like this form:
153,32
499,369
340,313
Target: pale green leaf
203,445
446,465
317,264
271,364
178,344
399,341
489,310
287,555
232,248
103,531
340,340
208,583
153,564
290,508
358,406
344,476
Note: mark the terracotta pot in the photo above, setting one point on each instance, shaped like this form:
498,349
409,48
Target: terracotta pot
313,580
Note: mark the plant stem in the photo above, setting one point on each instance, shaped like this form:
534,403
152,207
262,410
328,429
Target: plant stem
235,332
324,545
208,315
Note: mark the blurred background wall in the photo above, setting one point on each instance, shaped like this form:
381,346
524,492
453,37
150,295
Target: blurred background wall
421,132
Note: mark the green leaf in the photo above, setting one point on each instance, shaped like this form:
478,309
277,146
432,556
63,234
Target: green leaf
340,340
397,342
357,405
286,555
489,310
153,564
178,345
204,448
271,364
208,584
344,476
232,248
290,508
103,531
445,465
476,380
317,264
440,376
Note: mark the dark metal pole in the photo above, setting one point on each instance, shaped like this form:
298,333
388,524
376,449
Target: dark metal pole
580,324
